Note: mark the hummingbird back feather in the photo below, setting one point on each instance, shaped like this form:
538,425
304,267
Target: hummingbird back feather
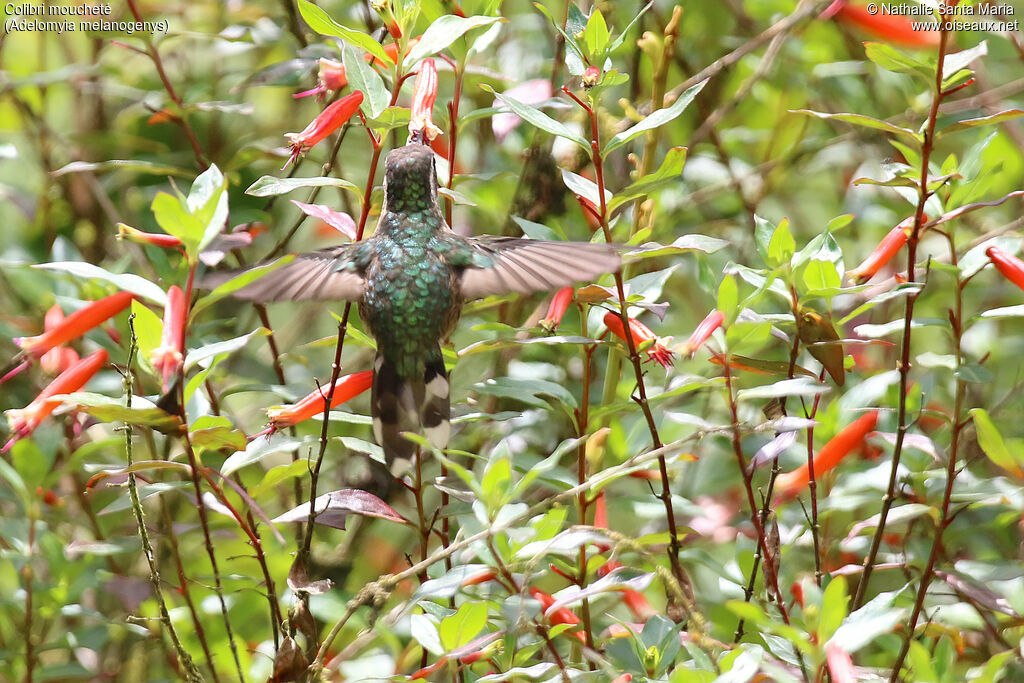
410,280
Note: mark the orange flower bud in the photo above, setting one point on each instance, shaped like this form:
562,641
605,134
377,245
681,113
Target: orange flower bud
126,232
24,421
482,577
421,121
167,358
891,28
76,324
831,454
329,120
711,322
658,351
884,252
346,388
1009,265
562,615
391,50
557,308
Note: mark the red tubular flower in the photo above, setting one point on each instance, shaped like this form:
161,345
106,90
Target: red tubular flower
24,421
346,388
562,615
167,358
557,308
884,252
891,28
59,358
76,324
831,454
421,121
624,678
127,232
331,76
1009,265
330,120
711,322
658,350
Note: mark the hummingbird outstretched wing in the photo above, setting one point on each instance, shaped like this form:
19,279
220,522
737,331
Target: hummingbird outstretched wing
514,264
320,275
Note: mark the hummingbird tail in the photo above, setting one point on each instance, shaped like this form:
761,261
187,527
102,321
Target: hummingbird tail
417,405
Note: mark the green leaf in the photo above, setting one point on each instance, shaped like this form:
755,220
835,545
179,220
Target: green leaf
208,202
173,216
858,120
666,174
682,245
258,449
123,281
107,409
596,34
136,165
587,189
538,118
891,59
443,32
494,486
833,608
148,330
953,63
460,628
268,186
278,474
821,275
864,626
1002,116
728,297
363,77
991,441
320,22
656,119
782,245
215,432
203,353
390,118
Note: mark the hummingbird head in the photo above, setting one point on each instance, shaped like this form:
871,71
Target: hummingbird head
410,180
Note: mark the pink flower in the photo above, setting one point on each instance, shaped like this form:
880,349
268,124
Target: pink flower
421,121
711,322
168,358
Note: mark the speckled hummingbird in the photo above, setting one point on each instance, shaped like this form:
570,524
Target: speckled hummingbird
410,280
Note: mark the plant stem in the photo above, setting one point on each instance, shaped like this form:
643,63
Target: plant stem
946,519
641,399
184,659
904,368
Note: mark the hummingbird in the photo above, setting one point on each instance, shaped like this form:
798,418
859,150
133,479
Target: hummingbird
410,280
